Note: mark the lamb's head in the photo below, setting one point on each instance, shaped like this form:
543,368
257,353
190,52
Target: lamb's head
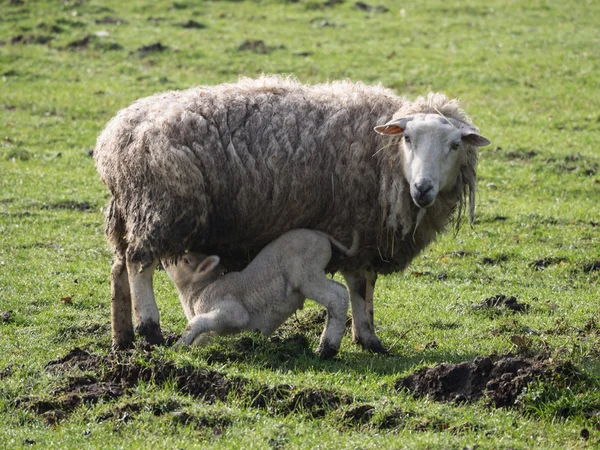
433,152
195,269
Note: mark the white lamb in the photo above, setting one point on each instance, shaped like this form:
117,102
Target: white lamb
267,292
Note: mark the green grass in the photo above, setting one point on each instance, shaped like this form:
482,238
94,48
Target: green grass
526,71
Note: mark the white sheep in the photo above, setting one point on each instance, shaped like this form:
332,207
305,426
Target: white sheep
227,169
267,292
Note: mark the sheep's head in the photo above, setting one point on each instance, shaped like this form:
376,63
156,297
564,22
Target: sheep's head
195,268
433,152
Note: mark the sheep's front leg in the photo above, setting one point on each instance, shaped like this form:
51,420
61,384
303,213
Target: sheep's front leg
120,305
145,311
361,284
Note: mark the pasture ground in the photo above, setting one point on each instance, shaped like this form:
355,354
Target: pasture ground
509,306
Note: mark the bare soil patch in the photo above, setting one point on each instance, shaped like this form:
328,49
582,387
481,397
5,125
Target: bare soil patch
359,415
499,381
492,261
501,300
215,423
192,24
113,376
110,20
543,263
6,316
592,266
146,50
86,379
362,6
27,39
7,371
256,46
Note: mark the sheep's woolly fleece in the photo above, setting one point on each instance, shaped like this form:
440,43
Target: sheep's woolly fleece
229,168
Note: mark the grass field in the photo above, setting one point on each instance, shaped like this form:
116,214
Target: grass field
526,71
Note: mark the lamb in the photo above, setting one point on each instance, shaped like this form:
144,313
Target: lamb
227,169
267,292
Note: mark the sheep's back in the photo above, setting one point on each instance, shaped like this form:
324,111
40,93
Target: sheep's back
232,167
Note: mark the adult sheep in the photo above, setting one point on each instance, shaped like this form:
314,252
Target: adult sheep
229,168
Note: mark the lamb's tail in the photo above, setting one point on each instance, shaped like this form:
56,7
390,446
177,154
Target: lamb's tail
348,251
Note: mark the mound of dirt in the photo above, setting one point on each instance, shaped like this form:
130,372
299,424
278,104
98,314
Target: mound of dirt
592,266
308,322
6,316
315,402
287,399
156,47
75,359
500,382
543,263
502,300
359,415
113,376
214,422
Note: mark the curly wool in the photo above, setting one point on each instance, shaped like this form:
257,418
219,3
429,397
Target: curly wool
229,168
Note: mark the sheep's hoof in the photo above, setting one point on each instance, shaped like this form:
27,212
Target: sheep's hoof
119,346
373,345
151,333
378,348
325,351
122,341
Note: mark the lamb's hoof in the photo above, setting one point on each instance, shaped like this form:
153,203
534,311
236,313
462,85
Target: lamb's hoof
373,345
179,344
325,351
151,333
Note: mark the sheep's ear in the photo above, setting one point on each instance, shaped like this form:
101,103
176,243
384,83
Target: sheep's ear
207,265
393,127
471,137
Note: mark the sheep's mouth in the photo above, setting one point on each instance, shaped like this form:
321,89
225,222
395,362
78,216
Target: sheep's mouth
423,192
423,203
422,200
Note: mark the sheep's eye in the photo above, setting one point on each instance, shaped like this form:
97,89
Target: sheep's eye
406,139
185,260
454,146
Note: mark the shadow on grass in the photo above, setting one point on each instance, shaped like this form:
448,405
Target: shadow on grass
295,351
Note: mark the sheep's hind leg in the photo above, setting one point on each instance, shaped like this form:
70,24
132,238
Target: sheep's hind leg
145,311
362,286
120,305
228,318
333,296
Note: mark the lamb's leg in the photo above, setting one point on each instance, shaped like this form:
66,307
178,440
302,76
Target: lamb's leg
230,316
333,296
120,305
145,311
362,286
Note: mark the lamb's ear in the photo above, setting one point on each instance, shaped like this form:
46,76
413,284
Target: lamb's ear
393,127
207,265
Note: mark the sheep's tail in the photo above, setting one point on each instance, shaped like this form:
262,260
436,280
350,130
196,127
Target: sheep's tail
114,229
348,251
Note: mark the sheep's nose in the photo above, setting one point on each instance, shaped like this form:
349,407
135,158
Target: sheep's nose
423,187
422,193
